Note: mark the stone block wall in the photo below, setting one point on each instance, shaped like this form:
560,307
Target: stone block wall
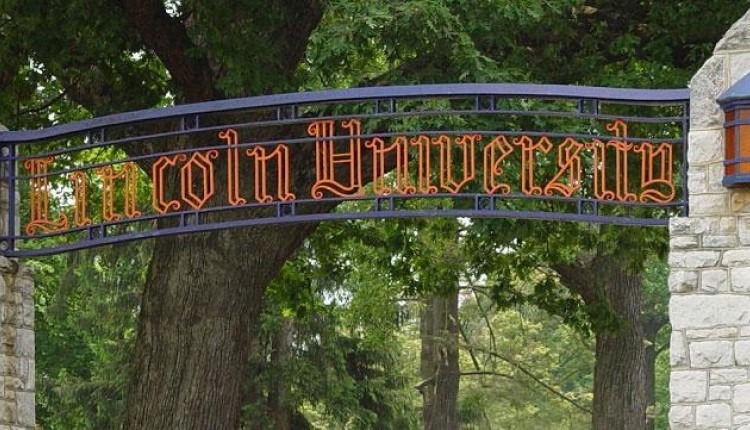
17,402
710,263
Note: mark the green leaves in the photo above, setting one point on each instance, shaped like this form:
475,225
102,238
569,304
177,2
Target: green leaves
86,309
348,291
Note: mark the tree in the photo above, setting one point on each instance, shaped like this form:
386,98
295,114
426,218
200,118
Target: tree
499,358
85,328
204,292
437,265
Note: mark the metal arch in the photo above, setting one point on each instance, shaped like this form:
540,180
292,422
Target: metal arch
625,95
18,147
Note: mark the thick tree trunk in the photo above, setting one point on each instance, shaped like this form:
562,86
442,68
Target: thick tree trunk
200,305
203,296
202,299
620,400
620,372
439,363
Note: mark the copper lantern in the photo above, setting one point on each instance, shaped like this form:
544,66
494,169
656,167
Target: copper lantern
736,105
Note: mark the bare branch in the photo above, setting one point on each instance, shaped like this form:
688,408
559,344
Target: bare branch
471,350
493,339
487,373
533,377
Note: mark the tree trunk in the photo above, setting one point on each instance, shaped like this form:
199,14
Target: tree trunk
203,296
651,328
281,412
620,371
201,302
649,386
439,363
620,400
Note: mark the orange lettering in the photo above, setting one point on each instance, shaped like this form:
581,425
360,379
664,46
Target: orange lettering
281,154
621,165
206,186
39,198
568,160
424,183
466,142
401,147
157,178
494,154
80,217
528,156
233,167
129,172
662,158
327,159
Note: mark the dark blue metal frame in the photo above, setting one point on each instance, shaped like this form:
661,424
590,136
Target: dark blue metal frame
737,179
287,107
622,95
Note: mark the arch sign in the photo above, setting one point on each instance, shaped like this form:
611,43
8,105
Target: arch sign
465,150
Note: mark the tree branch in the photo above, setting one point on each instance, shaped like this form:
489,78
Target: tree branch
493,339
44,105
486,373
577,277
661,349
303,17
169,40
533,377
470,349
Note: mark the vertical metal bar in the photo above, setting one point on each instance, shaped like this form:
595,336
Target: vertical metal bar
685,207
595,106
12,210
736,130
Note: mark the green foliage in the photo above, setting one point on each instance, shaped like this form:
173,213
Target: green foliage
344,367
662,374
86,309
517,349
350,365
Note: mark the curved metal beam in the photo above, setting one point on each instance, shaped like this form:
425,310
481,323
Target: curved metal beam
645,96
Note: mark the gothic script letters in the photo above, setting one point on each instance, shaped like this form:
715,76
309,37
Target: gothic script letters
616,170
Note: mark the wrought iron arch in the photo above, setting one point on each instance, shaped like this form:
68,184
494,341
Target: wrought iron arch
551,152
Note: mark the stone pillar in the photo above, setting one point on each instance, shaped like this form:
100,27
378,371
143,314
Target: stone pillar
710,263
16,335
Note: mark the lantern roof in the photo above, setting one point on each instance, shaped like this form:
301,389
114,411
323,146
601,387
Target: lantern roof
739,93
